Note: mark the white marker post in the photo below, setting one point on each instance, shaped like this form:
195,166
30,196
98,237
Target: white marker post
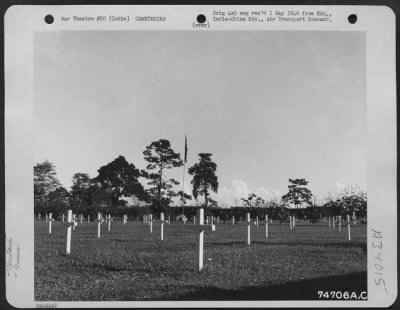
162,225
81,217
151,223
69,224
290,222
354,217
218,219
233,220
248,228
333,221
266,225
98,224
47,218
329,222
200,240
50,220
294,221
212,224
169,222
88,218
257,220
348,226
109,222
63,217
73,220
340,223
194,220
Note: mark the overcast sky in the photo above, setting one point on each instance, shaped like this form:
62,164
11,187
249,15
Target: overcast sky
268,105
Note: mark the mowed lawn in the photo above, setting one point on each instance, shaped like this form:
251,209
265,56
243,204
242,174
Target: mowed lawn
130,263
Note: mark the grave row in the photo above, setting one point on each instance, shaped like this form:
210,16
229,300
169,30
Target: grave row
72,223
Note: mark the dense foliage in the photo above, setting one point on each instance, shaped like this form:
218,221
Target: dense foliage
117,190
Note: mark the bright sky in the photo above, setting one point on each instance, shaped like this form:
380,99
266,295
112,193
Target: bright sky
268,105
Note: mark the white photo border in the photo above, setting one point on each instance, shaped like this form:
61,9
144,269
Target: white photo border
378,22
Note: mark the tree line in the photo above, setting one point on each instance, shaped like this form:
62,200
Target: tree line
120,180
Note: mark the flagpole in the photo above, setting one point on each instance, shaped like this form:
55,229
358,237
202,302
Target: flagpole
183,176
183,187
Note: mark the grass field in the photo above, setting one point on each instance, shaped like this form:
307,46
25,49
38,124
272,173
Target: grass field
130,263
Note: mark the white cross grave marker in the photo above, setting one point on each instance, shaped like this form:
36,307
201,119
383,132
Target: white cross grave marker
200,241
162,225
248,228
348,226
69,224
99,221
151,223
50,221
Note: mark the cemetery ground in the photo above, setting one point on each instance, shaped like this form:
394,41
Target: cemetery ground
130,263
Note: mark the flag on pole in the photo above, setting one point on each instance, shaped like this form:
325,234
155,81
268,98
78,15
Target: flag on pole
185,149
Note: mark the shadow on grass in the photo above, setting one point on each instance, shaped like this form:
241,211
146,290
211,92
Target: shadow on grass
299,290
343,244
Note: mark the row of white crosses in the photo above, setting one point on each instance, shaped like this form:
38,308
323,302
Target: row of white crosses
200,237
50,220
332,220
71,223
256,222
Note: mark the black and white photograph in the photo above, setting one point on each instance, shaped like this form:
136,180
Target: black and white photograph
200,165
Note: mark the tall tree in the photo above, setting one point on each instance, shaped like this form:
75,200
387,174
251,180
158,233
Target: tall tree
204,178
44,180
120,178
298,192
58,201
160,156
81,184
